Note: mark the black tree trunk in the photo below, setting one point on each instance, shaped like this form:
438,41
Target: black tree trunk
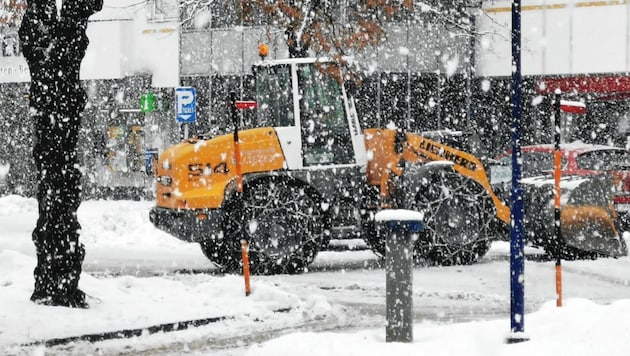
54,46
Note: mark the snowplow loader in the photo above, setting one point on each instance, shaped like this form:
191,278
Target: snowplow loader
304,173
462,204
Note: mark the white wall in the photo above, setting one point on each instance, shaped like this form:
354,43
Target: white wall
107,55
558,37
156,51
124,43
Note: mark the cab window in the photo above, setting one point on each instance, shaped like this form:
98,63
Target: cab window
274,96
324,126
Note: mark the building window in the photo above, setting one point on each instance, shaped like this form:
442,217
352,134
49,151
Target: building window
163,10
10,44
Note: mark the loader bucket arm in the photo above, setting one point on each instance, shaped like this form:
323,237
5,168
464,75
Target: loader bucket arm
384,160
423,149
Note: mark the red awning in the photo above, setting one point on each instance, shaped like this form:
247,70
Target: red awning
606,84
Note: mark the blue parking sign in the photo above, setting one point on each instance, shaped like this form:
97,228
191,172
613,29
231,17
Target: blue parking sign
186,104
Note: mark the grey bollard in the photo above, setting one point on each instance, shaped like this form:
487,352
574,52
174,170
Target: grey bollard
402,228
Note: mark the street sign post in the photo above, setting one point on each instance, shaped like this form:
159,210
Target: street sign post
186,105
517,234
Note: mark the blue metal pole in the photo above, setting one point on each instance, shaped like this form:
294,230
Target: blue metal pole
517,244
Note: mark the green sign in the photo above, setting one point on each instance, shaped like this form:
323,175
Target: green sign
148,102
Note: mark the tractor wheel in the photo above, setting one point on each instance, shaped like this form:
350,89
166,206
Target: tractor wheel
224,252
457,218
283,223
373,235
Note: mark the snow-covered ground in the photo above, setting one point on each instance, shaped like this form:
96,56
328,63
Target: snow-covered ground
138,277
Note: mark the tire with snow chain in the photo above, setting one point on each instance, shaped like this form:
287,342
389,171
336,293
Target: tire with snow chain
283,222
373,234
457,217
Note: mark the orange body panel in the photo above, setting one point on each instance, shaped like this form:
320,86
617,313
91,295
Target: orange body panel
382,159
201,170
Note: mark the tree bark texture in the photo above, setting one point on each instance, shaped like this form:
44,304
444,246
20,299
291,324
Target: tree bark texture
54,44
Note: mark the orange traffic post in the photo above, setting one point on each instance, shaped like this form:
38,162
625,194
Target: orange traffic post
245,253
559,285
234,106
237,150
237,156
557,160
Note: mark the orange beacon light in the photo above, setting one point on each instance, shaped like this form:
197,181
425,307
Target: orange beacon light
263,50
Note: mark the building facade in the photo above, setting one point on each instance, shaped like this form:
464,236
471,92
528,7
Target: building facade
576,47
446,65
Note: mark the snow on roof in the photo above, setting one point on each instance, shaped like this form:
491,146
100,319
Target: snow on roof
566,182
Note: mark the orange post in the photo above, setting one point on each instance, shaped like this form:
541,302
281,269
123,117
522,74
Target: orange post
559,285
557,163
237,149
244,252
238,105
237,156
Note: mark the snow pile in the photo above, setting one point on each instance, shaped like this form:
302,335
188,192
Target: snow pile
133,287
581,327
110,223
112,231
126,302
15,205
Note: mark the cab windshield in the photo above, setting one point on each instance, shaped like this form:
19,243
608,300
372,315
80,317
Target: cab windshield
274,96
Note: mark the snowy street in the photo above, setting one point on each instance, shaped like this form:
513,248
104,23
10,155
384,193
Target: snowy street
137,277
283,125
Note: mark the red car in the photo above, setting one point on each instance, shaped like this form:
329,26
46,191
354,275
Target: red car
577,159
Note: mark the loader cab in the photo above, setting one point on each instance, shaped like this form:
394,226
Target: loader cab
314,118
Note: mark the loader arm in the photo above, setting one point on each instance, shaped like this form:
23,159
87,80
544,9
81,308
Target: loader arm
422,149
384,160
